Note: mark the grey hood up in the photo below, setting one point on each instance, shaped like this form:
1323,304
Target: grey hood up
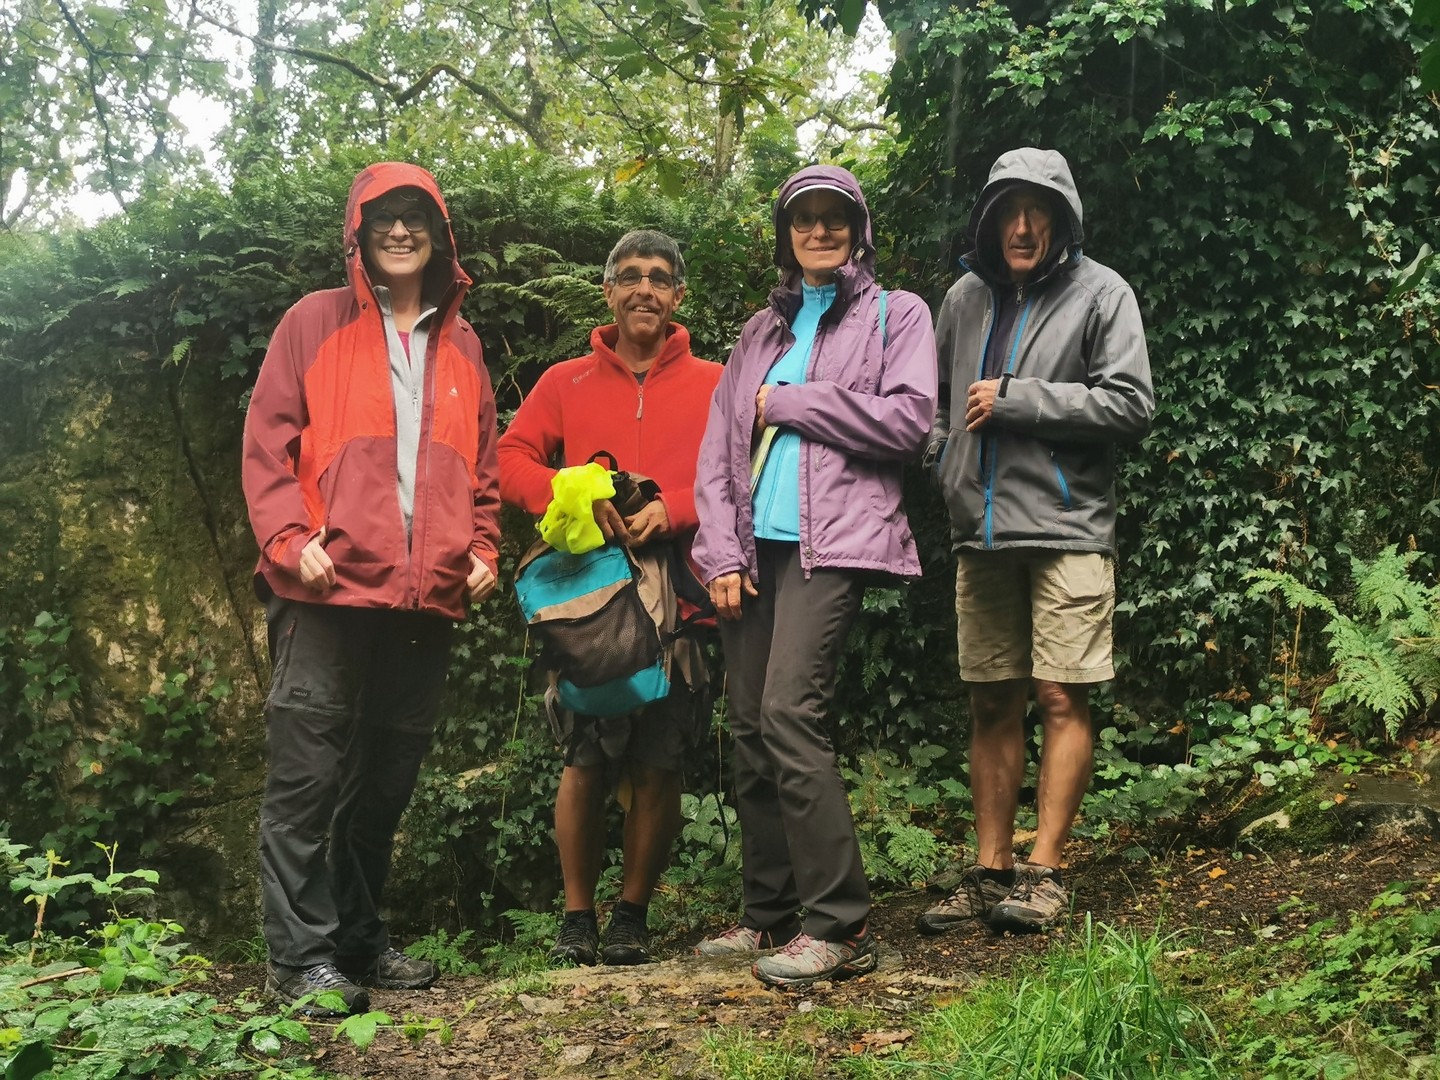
1075,382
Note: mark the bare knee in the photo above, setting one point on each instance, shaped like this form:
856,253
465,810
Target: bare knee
1063,706
997,702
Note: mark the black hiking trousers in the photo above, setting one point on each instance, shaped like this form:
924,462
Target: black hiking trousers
798,839
348,719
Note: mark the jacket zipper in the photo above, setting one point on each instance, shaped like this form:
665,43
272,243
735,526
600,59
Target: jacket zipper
1060,476
992,441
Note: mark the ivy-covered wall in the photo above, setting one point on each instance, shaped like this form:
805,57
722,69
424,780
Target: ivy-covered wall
1260,174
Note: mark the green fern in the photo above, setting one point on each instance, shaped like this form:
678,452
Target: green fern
1386,656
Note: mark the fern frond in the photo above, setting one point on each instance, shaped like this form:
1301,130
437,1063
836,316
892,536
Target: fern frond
1384,585
1295,594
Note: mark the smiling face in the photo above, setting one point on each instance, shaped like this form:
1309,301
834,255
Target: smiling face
398,252
1027,225
822,248
643,310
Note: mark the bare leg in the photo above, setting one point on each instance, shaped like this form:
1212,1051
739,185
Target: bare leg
650,829
997,766
1065,765
580,832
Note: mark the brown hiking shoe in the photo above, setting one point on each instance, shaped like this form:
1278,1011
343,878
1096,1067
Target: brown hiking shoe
1037,902
972,898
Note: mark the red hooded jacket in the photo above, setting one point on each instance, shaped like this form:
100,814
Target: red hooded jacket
320,446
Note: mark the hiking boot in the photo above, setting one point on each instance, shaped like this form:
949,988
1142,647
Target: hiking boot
972,898
627,939
809,960
290,985
578,940
391,970
741,940
1037,902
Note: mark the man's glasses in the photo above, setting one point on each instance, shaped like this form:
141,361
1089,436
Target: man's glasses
382,221
804,221
659,280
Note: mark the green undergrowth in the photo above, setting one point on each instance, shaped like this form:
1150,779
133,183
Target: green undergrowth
1350,997
127,997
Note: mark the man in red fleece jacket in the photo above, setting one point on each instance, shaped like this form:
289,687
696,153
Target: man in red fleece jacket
643,397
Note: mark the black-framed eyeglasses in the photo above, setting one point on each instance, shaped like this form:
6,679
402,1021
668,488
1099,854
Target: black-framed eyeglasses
382,221
659,280
805,221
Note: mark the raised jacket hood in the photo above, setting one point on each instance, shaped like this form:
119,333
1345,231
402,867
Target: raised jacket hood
832,176
1029,165
444,275
852,278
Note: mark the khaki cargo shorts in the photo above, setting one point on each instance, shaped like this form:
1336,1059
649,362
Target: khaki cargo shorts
1026,613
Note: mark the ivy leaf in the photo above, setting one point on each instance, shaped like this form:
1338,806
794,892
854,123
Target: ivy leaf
1412,274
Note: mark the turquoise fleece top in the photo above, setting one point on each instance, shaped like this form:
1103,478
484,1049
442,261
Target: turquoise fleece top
777,495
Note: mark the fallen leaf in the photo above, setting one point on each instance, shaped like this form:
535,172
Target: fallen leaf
1217,872
1339,797
886,1038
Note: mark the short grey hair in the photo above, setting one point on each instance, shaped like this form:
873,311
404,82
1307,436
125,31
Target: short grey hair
646,244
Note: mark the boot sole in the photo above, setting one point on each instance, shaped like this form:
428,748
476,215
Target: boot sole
401,984
624,956
936,929
850,969
1000,922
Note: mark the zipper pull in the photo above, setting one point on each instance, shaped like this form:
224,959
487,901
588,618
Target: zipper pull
640,402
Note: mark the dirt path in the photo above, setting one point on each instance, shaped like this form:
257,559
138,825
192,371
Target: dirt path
652,1021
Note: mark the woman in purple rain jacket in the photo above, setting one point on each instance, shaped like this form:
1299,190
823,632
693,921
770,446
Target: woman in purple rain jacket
830,389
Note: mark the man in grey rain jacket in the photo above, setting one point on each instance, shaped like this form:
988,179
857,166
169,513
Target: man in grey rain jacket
1044,356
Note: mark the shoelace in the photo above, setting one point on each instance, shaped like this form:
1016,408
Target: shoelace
798,944
969,889
573,933
1026,883
325,976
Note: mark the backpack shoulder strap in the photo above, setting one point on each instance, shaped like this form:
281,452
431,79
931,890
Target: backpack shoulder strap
884,334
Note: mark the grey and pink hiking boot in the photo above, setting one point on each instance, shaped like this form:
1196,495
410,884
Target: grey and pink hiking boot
808,960
742,940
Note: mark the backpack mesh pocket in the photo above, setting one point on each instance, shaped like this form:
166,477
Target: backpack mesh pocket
611,642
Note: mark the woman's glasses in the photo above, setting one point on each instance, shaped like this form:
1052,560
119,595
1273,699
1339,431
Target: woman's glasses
382,221
804,221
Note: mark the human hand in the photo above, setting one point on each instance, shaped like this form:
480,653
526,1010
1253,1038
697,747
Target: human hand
760,422
481,582
980,403
317,571
651,522
725,593
612,525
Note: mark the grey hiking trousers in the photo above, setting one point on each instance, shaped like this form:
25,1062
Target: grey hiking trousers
797,836
348,719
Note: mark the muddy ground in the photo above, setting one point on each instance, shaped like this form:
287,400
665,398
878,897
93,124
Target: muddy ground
610,1022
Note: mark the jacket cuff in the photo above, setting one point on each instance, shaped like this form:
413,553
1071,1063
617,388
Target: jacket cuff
489,558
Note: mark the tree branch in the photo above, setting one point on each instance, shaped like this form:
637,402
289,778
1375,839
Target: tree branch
400,95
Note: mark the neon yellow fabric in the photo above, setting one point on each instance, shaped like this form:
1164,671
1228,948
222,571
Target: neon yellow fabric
569,521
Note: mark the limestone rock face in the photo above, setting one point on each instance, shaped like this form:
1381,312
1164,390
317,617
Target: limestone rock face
132,713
